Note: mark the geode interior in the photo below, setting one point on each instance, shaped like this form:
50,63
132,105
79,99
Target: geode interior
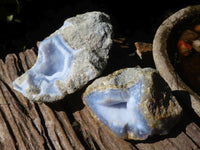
69,58
52,64
133,103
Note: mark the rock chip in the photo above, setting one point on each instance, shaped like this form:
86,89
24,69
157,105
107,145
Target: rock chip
133,103
188,36
70,57
196,45
143,48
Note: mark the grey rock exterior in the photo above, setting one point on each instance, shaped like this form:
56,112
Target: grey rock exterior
70,57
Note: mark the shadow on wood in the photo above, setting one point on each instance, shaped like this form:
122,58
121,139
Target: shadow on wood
67,124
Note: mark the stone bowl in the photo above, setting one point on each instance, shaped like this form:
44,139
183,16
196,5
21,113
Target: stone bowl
165,40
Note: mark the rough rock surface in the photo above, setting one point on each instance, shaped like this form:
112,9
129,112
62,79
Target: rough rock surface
133,103
69,58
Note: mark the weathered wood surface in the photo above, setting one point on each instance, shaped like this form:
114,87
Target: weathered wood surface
67,124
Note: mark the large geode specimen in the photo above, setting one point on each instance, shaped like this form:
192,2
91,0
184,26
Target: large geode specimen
133,103
69,58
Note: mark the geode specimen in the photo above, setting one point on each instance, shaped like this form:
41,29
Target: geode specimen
69,58
133,103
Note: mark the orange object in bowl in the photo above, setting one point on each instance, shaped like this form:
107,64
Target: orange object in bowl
197,28
184,48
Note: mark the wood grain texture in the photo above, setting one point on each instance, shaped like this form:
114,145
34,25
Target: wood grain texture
67,124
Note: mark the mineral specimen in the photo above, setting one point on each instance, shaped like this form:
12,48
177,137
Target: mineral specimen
184,48
188,36
197,28
196,45
69,58
133,103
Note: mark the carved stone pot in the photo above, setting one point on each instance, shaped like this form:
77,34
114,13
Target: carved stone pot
165,39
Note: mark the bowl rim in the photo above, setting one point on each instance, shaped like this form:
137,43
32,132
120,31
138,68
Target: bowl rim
162,60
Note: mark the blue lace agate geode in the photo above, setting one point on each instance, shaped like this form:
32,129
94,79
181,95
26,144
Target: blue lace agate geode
69,58
52,64
133,103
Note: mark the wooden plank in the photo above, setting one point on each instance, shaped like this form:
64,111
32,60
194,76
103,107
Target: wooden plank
6,139
67,124
182,141
193,131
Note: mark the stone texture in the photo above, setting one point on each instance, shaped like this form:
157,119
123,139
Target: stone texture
133,103
69,58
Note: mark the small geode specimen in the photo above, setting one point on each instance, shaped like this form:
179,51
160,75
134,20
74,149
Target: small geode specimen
69,58
133,103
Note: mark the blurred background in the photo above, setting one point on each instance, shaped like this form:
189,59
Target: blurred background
24,22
